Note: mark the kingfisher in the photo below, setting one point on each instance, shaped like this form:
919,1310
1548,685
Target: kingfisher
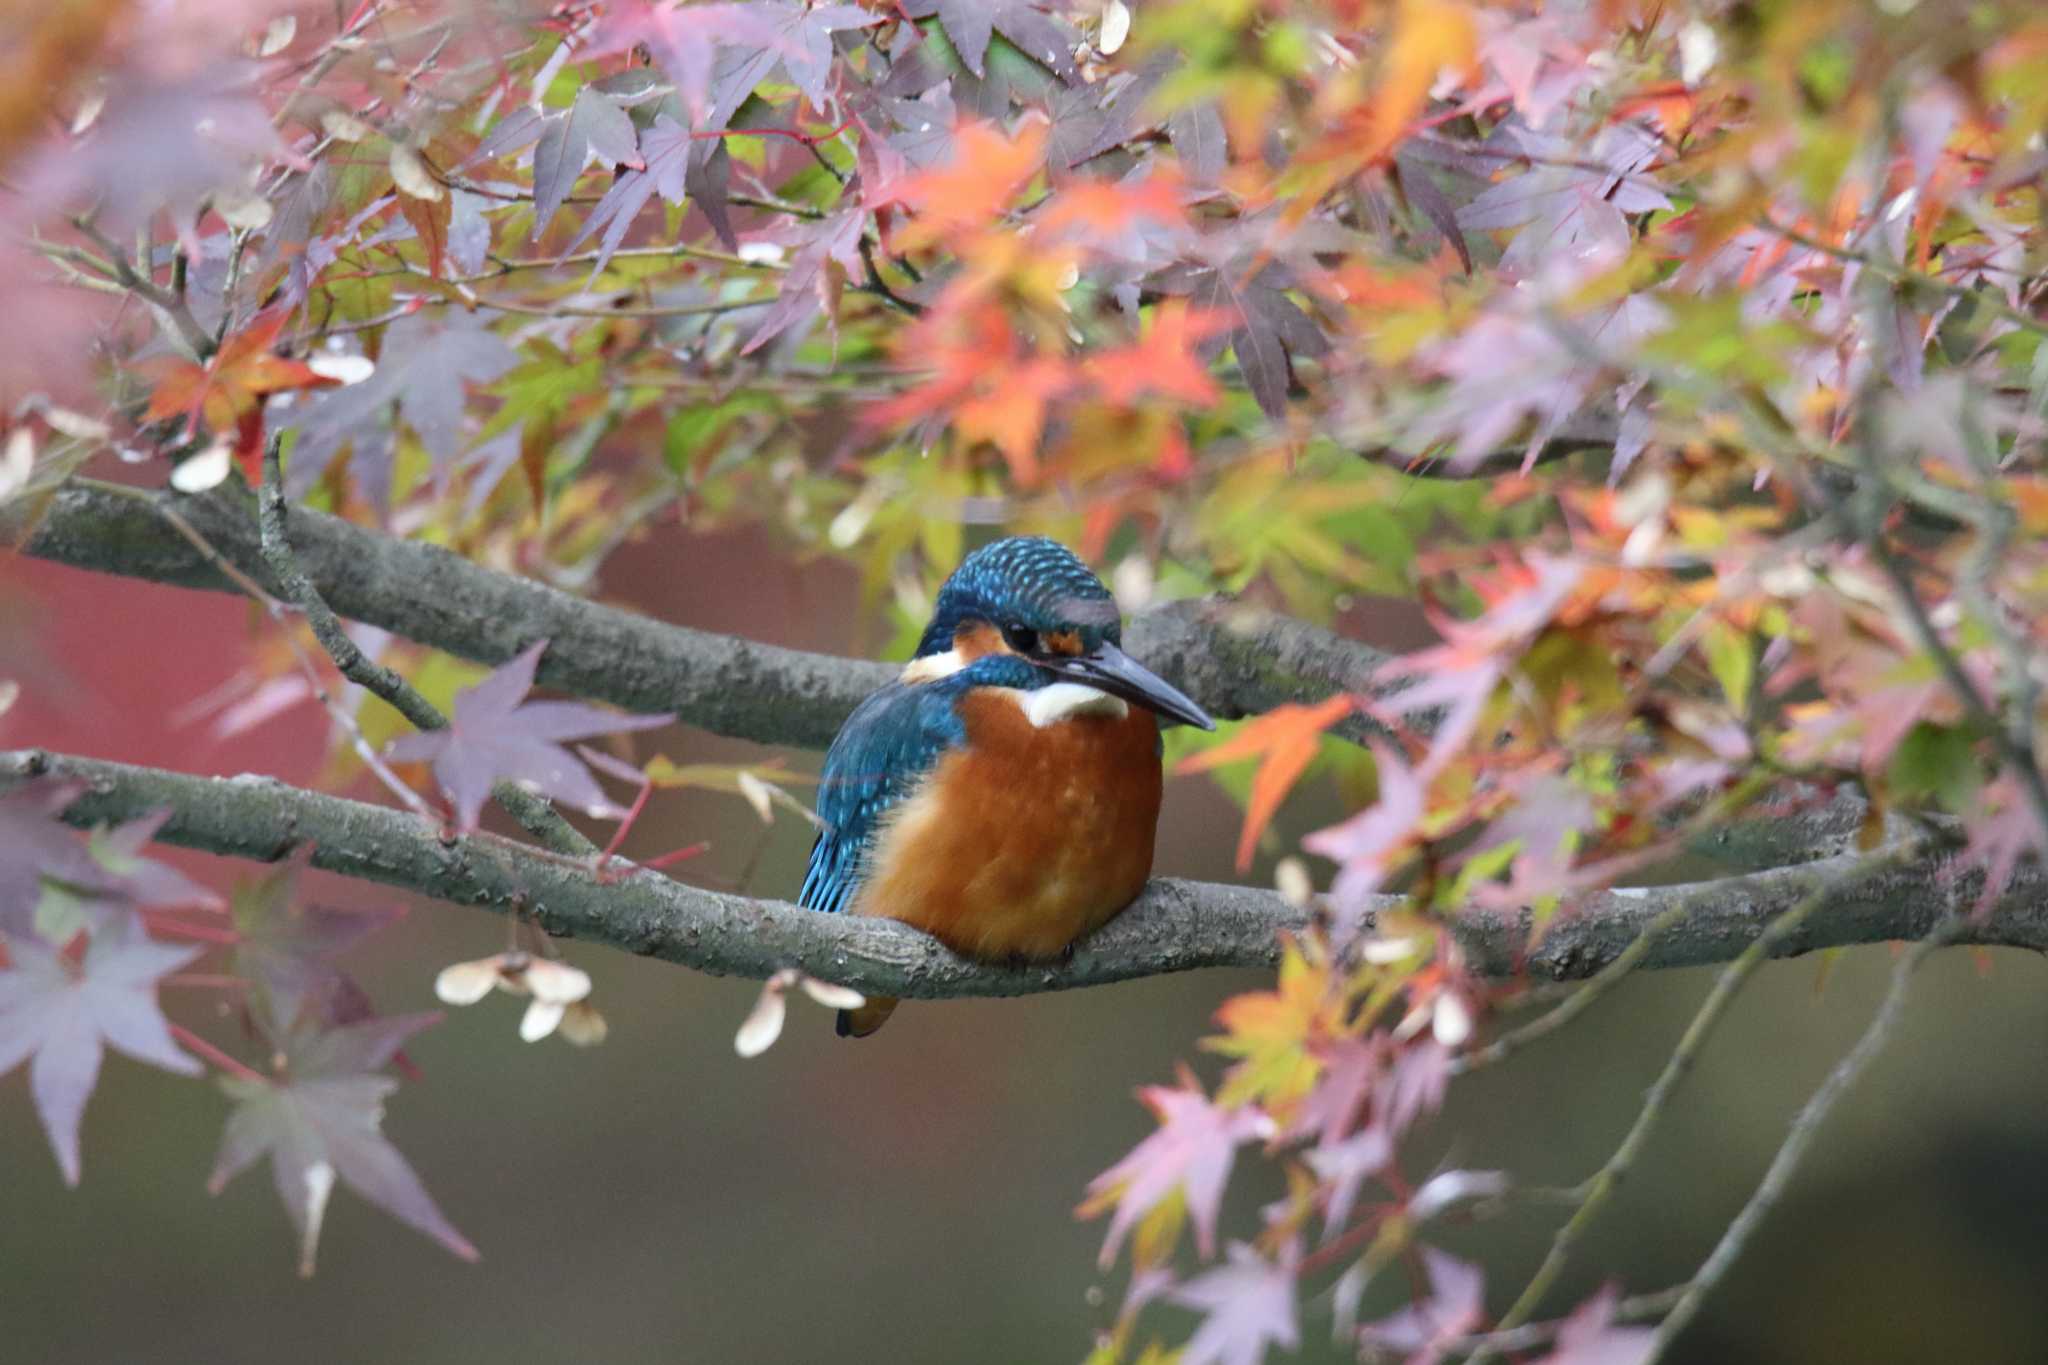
1001,794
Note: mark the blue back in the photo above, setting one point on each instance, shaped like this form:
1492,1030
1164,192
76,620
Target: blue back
883,753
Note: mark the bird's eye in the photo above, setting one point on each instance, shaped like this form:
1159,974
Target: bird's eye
1021,639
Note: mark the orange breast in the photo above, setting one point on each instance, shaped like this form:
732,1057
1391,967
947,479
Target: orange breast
1027,839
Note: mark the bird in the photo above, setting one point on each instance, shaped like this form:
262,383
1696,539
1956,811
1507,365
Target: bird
1002,793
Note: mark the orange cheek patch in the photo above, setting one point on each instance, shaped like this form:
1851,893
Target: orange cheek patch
977,639
1066,642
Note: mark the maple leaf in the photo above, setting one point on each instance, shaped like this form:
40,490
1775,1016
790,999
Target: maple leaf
229,389
1285,740
159,144
40,854
1249,1305
969,25
1262,326
1163,362
1572,206
2002,830
687,40
286,949
985,384
426,360
1429,37
596,124
1456,1306
320,1119
1461,673
34,844
1368,846
667,149
1343,1167
971,189
65,1015
1347,1072
807,286
1191,1153
806,41
1273,1033
491,738
1588,1335
1414,1084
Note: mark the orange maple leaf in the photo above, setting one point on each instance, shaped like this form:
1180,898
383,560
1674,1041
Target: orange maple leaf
1286,737
1163,361
985,173
228,391
985,383
1109,208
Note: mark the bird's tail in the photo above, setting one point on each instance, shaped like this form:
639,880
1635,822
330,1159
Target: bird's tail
869,1017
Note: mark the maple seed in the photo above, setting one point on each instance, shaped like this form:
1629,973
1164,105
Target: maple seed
555,987
582,1025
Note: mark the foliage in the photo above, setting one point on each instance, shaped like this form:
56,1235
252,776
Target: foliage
1730,313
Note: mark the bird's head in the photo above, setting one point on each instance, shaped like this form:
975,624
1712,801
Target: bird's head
1032,597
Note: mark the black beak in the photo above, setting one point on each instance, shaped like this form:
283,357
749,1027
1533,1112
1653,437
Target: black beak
1118,674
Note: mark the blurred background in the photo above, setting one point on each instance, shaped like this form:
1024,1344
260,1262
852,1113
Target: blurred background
910,1198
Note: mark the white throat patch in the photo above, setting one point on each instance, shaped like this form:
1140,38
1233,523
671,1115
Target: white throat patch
1055,702
932,667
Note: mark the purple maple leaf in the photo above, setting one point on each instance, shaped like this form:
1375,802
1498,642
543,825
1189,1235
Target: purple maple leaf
422,369
1249,1303
66,1015
111,870
1344,1166
1262,326
1192,1151
1589,1336
1573,204
319,1120
687,40
492,738
286,949
34,845
807,286
596,124
666,148
2002,830
1370,843
1456,1305
160,145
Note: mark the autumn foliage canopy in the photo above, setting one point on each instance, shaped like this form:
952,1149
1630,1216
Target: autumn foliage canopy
1679,366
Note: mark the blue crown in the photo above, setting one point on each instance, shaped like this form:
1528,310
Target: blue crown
1026,581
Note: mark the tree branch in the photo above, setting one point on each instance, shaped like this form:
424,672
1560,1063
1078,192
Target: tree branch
1236,660
274,540
1174,926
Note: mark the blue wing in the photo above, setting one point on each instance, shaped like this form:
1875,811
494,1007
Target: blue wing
887,746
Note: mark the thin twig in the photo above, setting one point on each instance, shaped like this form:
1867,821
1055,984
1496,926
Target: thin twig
1608,978
532,812
1534,1335
170,307
1601,1186
1805,1128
